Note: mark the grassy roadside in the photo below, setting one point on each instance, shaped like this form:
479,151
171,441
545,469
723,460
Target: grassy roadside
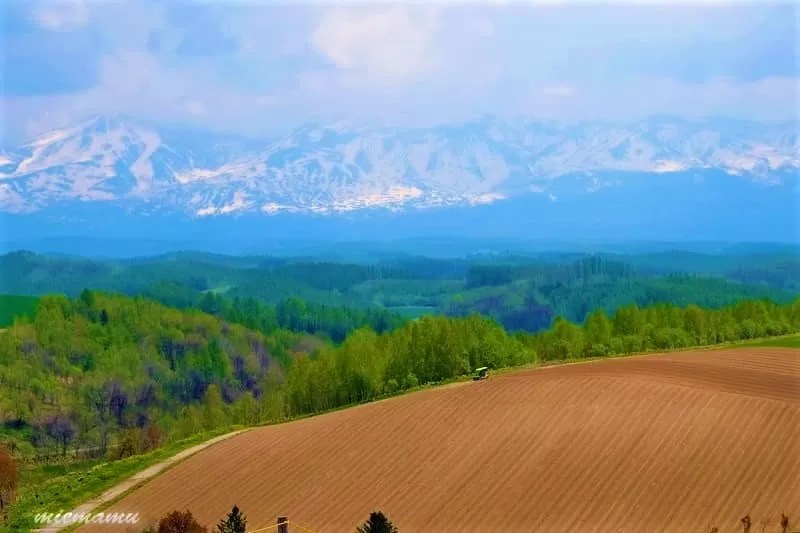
789,341
80,483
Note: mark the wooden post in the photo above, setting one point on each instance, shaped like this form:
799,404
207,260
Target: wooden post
283,524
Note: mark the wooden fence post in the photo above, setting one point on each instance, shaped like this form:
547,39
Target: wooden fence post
283,524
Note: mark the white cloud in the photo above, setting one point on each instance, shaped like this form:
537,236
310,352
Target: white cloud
61,15
137,84
559,91
263,100
483,27
402,64
391,44
196,108
774,98
530,3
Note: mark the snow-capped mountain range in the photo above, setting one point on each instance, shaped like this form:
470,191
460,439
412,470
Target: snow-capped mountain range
334,169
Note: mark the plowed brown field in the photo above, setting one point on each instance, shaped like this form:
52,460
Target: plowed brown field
663,443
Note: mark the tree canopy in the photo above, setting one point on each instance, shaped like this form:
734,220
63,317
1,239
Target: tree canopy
377,523
235,522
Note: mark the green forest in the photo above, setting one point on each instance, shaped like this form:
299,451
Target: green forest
329,298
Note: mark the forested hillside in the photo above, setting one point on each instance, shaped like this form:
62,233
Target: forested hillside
319,296
86,368
328,321
773,269
103,372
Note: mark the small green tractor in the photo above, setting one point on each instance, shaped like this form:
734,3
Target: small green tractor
481,373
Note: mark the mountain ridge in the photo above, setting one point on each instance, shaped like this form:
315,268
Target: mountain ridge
338,169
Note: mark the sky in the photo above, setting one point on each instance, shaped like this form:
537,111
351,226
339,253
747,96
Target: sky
261,68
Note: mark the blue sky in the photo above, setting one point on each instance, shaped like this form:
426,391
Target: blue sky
260,68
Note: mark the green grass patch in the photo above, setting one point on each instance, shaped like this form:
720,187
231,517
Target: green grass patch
54,488
12,305
791,341
41,473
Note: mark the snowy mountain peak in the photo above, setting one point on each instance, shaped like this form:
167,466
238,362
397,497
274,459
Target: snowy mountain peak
324,169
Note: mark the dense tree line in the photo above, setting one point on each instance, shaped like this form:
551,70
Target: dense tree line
522,293
662,326
296,314
368,365
781,274
579,271
531,302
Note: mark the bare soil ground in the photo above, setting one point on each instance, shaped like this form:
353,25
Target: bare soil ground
664,443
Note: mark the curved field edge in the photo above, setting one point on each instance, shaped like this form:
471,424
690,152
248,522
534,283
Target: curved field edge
83,485
698,427
119,490
89,481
